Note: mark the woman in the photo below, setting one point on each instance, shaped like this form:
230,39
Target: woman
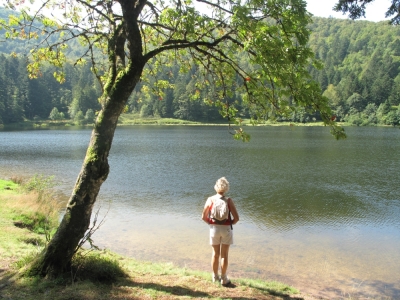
221,236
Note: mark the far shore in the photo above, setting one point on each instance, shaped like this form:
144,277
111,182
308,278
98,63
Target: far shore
135,119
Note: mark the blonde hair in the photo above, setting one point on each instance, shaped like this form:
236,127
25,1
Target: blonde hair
222,185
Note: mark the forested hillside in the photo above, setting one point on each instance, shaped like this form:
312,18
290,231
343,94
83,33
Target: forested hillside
362,69
361,78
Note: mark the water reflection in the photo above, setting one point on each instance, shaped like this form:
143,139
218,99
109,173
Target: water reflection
286,210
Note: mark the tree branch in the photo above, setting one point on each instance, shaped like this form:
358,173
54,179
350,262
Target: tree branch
216,6
94,8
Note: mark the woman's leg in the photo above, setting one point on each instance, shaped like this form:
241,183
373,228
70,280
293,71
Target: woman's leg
224,258
215,258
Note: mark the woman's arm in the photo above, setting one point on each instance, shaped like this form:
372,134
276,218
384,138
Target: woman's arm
234,212
206,209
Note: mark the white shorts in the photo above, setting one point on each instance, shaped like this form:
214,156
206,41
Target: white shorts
221,234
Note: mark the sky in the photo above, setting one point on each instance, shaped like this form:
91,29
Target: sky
375,11
323,8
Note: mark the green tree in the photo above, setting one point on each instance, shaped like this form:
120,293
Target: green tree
393,118
369,114
55,114
39,100
348,85
180,96
79,118
139,37
394,97
382,112
339,106
356,102
15,110
146,110
3,95
90,116
381,89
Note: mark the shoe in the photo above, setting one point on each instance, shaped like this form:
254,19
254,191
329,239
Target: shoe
215,278
225,280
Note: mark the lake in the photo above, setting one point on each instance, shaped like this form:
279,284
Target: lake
319,214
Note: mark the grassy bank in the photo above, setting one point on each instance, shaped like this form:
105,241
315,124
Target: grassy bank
27,219
135,119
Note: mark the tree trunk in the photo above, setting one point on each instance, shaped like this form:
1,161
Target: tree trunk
122,79
57,256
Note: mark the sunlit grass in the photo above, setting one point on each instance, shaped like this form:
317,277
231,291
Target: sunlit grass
16,242
28,218
273,287
8,186
136,119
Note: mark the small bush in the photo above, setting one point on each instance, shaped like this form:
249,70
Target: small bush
96,266
34,241
37,222
25,260
39,183
17,180
36,208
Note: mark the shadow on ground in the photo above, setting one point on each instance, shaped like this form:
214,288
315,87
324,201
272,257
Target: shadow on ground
130,288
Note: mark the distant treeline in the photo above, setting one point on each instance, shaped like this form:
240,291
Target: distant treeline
361,78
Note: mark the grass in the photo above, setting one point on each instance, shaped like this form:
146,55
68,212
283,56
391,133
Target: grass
136,119
25,222
8,186
99,274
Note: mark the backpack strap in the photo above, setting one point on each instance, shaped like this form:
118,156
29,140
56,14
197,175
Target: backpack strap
229,213
209,211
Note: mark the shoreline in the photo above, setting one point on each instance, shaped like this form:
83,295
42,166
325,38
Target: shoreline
46,124
132,120
139,279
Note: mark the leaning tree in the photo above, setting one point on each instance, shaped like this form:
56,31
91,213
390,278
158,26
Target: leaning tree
126,41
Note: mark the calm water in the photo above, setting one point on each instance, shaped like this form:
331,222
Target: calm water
320,214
